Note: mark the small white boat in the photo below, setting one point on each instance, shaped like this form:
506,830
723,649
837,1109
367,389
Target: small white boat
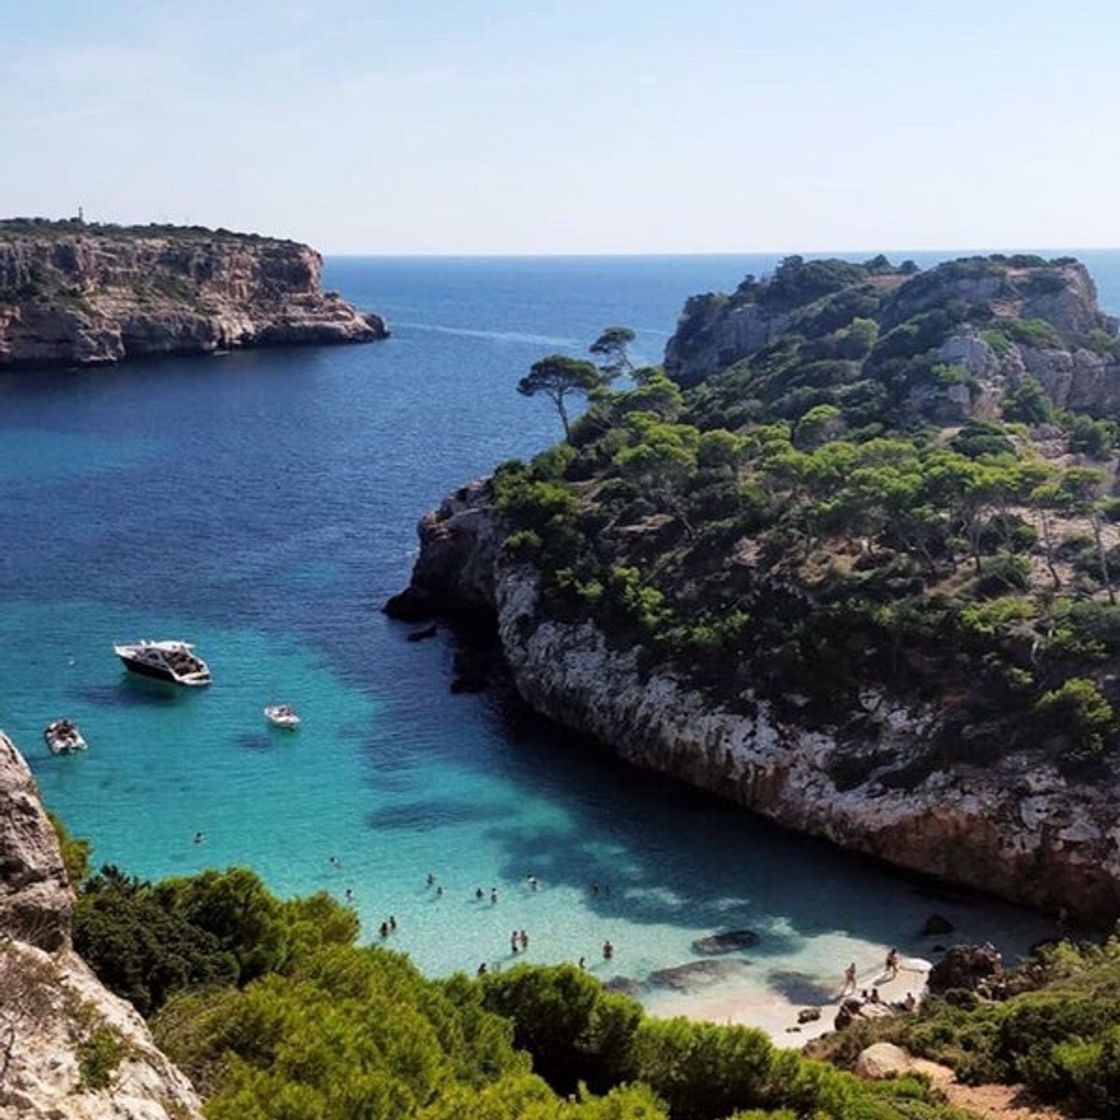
63,737
282,715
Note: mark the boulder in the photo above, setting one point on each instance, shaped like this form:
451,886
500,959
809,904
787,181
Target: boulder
809,1015
966,967
732,941
884,1059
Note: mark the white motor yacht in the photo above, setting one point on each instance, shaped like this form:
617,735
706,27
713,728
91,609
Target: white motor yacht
165,661
282,715
63,737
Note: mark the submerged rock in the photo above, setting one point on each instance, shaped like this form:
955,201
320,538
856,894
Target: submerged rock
730,942
698,975
935,925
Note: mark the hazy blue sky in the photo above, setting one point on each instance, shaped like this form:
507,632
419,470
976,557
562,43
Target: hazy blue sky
570,125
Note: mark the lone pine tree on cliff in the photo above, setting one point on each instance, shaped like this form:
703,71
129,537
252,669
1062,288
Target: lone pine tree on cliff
557,377
611,346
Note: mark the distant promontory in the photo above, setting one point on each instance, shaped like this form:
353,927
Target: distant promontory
73,293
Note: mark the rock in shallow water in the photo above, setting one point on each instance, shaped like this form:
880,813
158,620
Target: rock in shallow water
698,975
729,942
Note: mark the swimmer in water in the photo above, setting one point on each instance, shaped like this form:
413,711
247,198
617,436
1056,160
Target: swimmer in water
608,950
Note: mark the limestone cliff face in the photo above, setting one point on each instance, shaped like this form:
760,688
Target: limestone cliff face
97,295
1019,829
52,1007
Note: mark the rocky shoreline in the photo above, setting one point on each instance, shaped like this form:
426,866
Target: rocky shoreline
52,1006
1019,829
73,295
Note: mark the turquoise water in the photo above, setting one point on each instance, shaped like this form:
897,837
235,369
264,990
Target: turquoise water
263,505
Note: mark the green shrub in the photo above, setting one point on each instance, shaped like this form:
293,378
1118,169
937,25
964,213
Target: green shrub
99,1056
1079,710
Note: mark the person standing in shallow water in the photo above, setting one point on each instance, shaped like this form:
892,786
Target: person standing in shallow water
608,950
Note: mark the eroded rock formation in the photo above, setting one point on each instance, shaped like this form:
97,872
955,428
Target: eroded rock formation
69,1049
94,295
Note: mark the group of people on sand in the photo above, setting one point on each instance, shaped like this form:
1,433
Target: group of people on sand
891,966
851,974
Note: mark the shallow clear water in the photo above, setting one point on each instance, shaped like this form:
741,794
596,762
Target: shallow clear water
263,505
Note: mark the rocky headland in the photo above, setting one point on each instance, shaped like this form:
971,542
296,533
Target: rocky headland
69,1048
776,636
73,294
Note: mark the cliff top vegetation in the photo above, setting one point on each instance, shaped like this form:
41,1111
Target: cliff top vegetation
859,481
52,229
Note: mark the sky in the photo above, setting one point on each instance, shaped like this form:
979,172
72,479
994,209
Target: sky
572,126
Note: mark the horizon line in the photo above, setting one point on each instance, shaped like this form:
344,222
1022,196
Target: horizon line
1005,250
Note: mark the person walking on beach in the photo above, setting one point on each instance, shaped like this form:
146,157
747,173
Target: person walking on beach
892,964
849,980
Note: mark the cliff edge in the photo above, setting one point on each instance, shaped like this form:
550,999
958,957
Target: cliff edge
87,295
855,567
69,1049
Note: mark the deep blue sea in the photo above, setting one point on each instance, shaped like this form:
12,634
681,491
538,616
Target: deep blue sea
263,505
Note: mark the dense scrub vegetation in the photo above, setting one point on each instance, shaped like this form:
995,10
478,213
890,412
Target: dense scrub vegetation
1058,1032
846,508
276,1013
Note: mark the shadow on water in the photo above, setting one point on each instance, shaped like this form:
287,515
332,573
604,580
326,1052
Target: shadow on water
254,741
675,855
132,691
412,816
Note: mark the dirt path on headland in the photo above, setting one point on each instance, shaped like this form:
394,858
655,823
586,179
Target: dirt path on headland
998,1102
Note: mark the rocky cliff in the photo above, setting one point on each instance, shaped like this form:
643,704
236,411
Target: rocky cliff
717,330
69,1049
863,580
72,294
1020,829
